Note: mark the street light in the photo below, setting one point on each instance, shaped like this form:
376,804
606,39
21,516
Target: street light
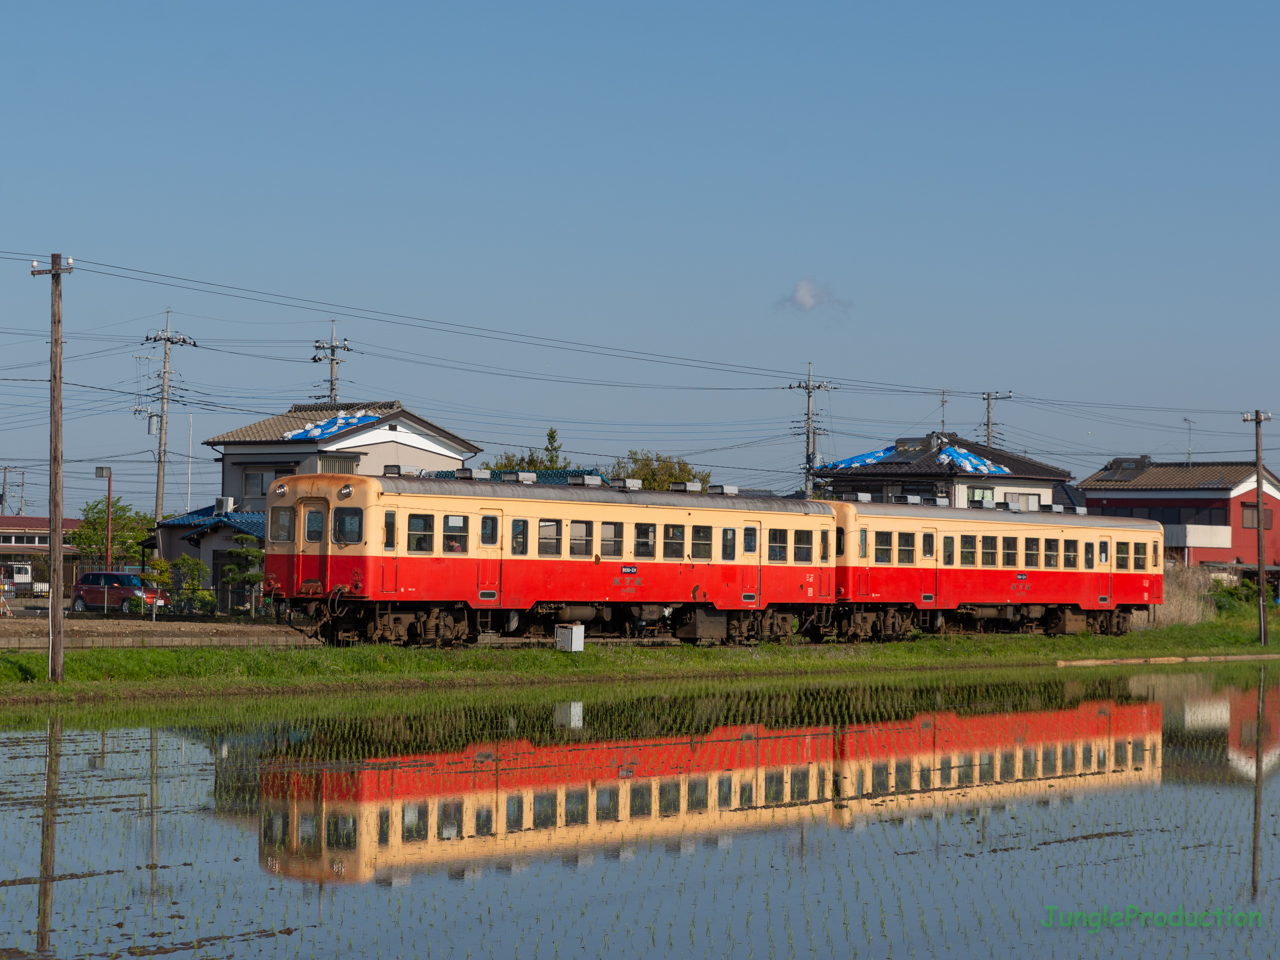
104,473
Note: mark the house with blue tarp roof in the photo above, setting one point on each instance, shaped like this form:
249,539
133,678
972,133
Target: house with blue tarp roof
945,466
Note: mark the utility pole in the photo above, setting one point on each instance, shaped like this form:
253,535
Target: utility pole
810,431
22,496
168,338
1189,424
4,492
55,272
1257,420
329,351
944,412
989,397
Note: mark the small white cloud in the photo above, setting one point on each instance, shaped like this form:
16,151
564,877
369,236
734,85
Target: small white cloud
808,295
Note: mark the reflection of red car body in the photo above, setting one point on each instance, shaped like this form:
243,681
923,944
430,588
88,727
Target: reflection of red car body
113,591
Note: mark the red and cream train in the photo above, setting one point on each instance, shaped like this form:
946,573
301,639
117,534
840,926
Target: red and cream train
424,560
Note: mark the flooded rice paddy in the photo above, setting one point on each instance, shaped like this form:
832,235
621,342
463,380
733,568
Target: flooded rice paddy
1116,816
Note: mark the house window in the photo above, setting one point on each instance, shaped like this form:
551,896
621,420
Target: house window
884,547
673,541
906,548
580,538
968,550
422,532
337,465
646,536
777,546
519,538
804,546
988,551
728,543
257,484
1251,516
979,494
549,534
610,539
701,543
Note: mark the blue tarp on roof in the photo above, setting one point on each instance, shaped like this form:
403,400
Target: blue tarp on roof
248,522
969,462
862,460
327,428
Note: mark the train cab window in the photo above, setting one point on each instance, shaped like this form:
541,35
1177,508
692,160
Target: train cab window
884,547
673,541
1122,556
839,541
702,543
906,548
1088,556
610,539
1009,553
988,551
968,550
549,535
348,525
728,543
748,539
646,535
1031,553
488,531
519,538
389,530
948,551
422,532
926,545
580,538
455,534
826,546
282,524
1051,553
315,525
1102,552
1139,556
803,552
777,546
1070,553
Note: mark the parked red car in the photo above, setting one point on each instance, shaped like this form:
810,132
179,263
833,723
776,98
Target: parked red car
113,591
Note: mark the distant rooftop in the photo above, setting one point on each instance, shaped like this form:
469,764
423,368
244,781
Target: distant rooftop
1142,473
941,454
312,422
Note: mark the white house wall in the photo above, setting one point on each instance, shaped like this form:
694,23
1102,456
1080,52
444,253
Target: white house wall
405,435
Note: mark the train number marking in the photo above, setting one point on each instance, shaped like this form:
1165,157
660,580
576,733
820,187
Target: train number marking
627,568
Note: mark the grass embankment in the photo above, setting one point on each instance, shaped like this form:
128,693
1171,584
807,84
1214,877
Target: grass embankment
188,672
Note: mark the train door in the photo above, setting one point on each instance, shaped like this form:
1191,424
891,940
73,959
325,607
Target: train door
825,563
750,566
929,547
1104,572
489,560
312,574
862,569
390,553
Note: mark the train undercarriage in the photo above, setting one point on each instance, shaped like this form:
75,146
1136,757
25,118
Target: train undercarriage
343,622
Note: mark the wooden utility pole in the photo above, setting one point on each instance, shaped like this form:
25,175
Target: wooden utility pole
1257,419
55,272
810,430
168,338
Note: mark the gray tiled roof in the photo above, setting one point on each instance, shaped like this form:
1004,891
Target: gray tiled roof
273,429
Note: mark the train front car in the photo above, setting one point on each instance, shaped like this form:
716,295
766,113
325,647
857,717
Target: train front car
903,567
436,561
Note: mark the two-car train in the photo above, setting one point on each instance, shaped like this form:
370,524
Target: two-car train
438,561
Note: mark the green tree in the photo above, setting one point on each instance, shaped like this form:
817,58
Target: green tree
129,528
548,458
189,575
657,470
245,568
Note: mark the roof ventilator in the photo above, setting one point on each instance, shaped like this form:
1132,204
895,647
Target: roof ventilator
471,473
691,486
626,483
519,477
723,489
585,480
391,470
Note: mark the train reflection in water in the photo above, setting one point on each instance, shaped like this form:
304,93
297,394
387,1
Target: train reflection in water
506,802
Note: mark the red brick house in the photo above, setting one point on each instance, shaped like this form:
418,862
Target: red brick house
1209,510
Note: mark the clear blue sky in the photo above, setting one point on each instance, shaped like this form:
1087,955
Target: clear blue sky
1076,203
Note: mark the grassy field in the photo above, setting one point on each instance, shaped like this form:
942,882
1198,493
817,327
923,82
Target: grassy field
198,672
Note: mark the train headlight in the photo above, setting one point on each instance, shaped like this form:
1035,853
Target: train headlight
344,491
281,490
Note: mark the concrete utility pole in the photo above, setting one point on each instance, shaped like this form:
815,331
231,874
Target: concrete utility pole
1257,420
1190,424
55,272
4,492
22,495
989,397
810,431
168,338
329,351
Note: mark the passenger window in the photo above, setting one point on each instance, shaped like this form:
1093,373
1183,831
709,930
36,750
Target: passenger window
580,538
1103,552
777,546
906,548
1031,553
488,531
673,541
610,539
926,545
389,530
519,538
1010,552
455,534
549,533
702,543
1088,556
728,544
282,524
1051,553
422,529
1122,556
968,550
839,541
646,534
748,539
862,543
948,551
641,800
884,547
1139,556
1070,553
348,525
804,546
315,526
988,551
826,547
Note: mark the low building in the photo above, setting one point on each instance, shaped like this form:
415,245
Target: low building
24,543
1209,510
942,466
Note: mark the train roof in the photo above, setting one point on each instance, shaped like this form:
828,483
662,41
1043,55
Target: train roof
640,498
1006,516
